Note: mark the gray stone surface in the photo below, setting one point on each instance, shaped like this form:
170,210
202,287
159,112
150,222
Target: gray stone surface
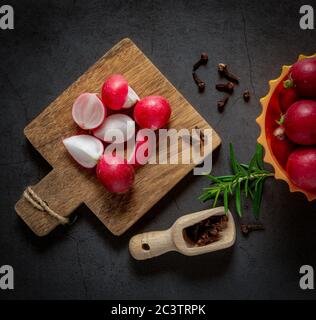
53,43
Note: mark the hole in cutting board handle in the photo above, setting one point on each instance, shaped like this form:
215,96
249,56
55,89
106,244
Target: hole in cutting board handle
145,246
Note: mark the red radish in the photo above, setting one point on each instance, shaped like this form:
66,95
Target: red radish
142,150
303,77
301,168
281,146
300,122
85,149
117,94
118,125
115,174
287,97
152,112
88,111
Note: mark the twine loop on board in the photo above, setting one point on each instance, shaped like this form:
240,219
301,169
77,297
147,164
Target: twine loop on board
35,200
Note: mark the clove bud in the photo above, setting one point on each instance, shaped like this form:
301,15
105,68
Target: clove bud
223,71
203,61
225,87
221,104
199,82
246,96
247,228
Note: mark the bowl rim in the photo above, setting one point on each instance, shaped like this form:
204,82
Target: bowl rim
279,172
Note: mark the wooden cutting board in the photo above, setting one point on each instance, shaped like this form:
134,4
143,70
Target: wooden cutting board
68,185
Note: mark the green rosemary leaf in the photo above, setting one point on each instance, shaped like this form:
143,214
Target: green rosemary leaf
259,155
257,183
238,200
226,200
212,178
245,166
250,193
253,165
230,189
228,178
216,198
257,199
233,160
246,178
246,187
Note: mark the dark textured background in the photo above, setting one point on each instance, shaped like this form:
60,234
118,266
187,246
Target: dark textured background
53,43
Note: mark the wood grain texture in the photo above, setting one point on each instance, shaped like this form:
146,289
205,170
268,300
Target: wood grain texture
155,243
69,185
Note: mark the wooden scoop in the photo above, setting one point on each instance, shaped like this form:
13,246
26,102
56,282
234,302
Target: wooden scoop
151,244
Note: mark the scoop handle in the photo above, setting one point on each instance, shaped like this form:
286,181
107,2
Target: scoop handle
151,244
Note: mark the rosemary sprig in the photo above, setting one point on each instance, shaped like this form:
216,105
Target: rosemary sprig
247,179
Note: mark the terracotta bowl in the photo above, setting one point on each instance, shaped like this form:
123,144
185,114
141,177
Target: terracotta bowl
264,140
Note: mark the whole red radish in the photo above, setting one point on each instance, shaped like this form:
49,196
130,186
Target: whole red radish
115,174
281,146
300,122
287,97
303,76
152,112
301,168
117,94
140,153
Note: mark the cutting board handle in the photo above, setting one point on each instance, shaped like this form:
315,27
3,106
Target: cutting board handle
151,244
45,206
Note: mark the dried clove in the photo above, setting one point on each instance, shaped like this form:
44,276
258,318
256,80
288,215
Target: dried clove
247,228
246,95
206,231
222,103
223,71
203,61
225,87
200,83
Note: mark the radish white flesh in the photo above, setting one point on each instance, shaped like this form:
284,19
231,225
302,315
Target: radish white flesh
85,149
88,111
131,98
120,126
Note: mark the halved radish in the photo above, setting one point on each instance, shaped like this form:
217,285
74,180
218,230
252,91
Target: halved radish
131,99
115,174
85,149
117,94
152,112
88,111
118,126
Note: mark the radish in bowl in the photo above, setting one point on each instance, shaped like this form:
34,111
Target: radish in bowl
300,122
287,97
301,168
117,94
303,77
281,146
